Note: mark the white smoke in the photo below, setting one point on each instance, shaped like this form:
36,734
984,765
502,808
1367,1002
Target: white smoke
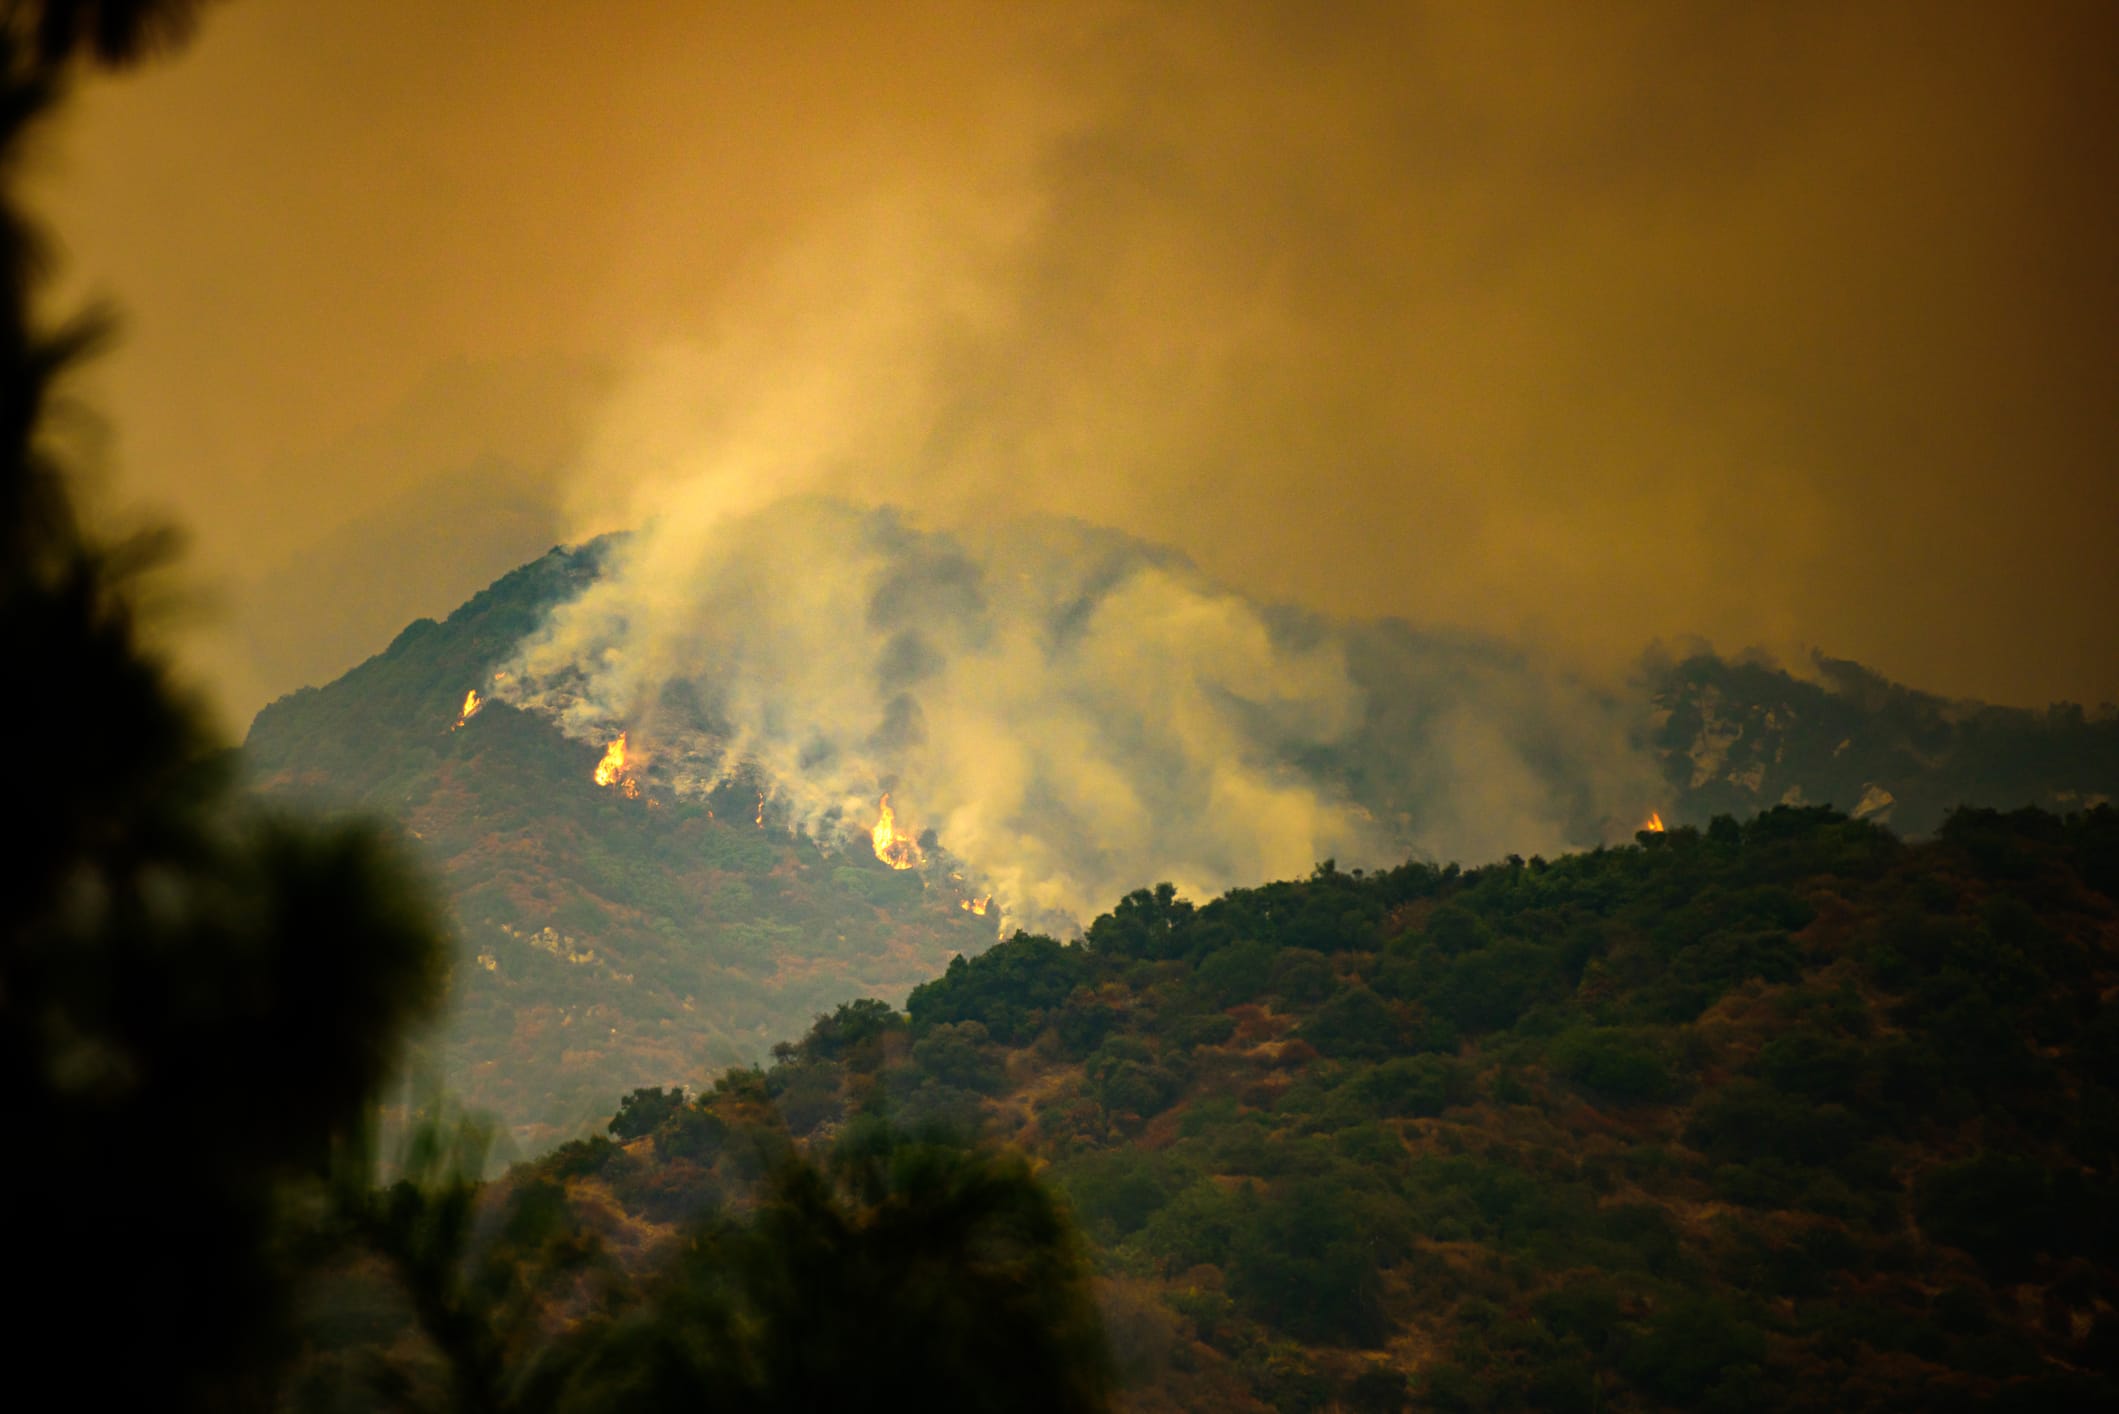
1071,713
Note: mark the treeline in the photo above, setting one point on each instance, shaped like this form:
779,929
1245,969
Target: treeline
1787,1113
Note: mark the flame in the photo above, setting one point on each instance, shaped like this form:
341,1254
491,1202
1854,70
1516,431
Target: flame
612,766
975,905
1654,823
759,818
472,702
894,849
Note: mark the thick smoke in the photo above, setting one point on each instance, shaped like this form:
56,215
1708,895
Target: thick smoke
1066,712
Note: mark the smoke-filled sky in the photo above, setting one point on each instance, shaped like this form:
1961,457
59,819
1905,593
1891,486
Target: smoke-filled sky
1783,325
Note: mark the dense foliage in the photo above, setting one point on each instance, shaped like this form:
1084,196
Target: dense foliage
1781,1114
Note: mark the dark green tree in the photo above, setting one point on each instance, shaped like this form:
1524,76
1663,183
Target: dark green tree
198,1000
899,1275
643,1111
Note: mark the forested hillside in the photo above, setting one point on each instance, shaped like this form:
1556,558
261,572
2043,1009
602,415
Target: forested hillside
1781,1114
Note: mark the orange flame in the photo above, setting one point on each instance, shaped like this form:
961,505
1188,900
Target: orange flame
1654,823
975,905
612,766
759,818
894,849
472,702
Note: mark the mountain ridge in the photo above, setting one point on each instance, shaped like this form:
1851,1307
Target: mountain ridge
692,932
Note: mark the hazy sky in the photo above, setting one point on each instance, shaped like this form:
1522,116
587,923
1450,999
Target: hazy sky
1783,325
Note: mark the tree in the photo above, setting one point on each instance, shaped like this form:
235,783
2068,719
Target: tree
900,1275
642,1112
198,1000
1305,1265
1355,1023
1009,988
1614,1062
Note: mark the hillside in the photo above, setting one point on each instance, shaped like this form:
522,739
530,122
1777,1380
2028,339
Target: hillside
1787,1114
603,942
1739,737
608,942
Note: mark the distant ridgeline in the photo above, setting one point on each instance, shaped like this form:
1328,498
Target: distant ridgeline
1785,1114
609,942
1736,738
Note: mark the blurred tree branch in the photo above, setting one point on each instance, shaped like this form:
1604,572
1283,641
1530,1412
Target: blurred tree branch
198,1000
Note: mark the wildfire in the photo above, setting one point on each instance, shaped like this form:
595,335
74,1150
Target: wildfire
472,702
894,849
612,767
759,818
975,905
1654,823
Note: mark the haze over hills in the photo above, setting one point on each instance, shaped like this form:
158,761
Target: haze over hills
1060,716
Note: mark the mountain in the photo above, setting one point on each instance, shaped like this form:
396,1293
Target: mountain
1738,737
1790,1114
604,942
608,942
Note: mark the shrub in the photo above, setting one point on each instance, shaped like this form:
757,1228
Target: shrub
1489,989
1585,1309
944,1109
1689,1347
1212,1029
1616,1063
643,1111
1996,1207
1747,1121
1195,1227
959,1054
1419,1086
1304,1265
1354,1024
1118,1190
1008,988
692,1133
1237,973
1813,1064
1302,976
1123,1085
1454,930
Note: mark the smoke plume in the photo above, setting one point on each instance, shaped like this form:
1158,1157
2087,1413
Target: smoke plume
1068,713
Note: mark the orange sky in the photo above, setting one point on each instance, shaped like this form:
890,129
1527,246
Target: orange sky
1780,325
